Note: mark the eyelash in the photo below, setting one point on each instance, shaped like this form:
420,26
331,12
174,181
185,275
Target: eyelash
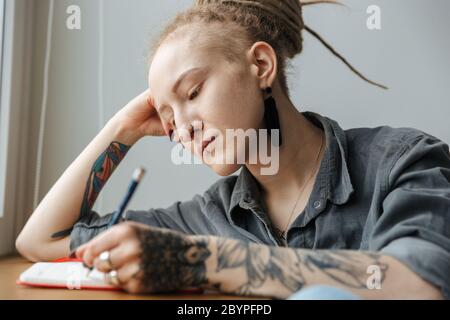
196,91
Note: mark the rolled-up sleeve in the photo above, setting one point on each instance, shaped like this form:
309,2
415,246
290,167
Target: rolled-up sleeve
414,225
88,227
184,216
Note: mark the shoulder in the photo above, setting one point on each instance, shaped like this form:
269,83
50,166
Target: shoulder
393,151
388,143
386,136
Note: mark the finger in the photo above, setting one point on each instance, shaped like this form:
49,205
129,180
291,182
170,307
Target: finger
118,257
129,277
185,133
148,95
80,251
164,128
145,96
130,270
149,98
134,286
197,125
106,241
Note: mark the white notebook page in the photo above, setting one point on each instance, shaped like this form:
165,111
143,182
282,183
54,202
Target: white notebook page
71,275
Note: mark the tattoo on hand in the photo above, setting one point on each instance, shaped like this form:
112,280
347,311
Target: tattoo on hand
171,261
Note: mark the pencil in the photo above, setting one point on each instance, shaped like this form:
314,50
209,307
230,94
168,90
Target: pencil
115,219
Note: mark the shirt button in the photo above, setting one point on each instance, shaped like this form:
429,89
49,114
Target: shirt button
317,204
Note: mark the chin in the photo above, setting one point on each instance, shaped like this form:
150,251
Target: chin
225,170
221,168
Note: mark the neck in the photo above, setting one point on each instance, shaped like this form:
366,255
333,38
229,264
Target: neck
298,156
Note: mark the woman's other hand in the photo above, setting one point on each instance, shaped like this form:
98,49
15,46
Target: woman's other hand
139,118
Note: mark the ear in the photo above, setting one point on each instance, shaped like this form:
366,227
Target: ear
263,62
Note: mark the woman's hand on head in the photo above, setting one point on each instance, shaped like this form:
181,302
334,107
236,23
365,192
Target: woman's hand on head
147,259
140,118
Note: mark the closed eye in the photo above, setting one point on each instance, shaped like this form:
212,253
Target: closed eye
194,94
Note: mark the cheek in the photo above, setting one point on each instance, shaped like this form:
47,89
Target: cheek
246,105
231,104
235,105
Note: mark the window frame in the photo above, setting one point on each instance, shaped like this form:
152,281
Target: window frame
14,108
3,115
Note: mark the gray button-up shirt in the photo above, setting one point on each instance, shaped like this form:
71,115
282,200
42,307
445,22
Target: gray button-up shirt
379,189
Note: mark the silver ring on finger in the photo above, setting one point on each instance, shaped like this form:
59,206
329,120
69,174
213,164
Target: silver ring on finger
113,278
106,258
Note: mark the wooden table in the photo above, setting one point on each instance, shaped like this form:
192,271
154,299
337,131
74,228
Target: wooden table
12,267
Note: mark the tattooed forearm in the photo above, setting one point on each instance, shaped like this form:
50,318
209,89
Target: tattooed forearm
101,171
258,264
278,272
172,261
348,268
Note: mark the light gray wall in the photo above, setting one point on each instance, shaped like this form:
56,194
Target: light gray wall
410,55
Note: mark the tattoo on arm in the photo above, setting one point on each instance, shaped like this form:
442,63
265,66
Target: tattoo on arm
171,260
348,268
102,169
292,268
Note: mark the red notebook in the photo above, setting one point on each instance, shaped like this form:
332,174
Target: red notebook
68,273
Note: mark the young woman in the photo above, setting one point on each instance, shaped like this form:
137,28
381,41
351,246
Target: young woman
365,210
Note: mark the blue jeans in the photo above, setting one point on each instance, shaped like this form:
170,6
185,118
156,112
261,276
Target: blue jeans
322,292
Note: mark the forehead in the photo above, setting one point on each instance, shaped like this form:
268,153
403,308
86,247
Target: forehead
175,56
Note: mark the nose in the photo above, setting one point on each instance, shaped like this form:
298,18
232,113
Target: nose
180,128
169,121
190,132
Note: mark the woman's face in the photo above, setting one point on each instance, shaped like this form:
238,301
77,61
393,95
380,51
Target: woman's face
214,96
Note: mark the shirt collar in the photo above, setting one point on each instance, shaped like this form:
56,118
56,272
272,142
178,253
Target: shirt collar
333,181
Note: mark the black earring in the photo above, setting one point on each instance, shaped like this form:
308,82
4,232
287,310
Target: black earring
271,114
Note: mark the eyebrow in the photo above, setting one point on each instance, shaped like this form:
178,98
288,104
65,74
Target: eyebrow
182,77
180,80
